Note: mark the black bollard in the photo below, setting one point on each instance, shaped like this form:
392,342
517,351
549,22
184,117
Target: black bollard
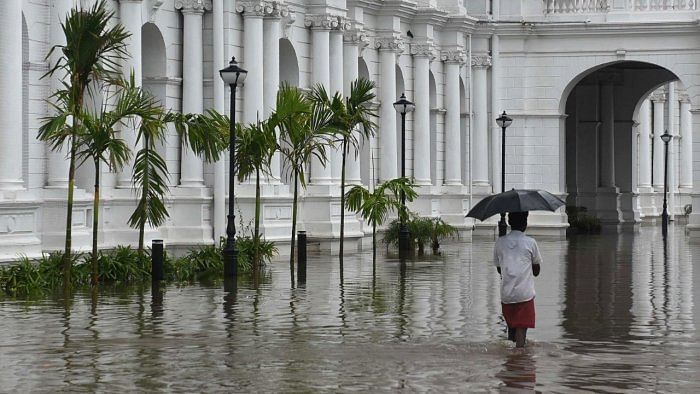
157,260
301,256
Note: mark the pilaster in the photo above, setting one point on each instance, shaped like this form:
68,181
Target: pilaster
480,65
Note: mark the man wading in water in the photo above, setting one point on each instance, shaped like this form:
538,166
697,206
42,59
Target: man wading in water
517,258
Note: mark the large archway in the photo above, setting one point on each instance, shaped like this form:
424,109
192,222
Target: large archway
601,143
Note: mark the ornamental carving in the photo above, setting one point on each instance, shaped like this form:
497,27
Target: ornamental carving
658,97
322,22
454,56
193,6
357,37
424,50
269,9
481,61
389,43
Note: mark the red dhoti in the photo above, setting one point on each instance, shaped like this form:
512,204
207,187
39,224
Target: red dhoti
520,315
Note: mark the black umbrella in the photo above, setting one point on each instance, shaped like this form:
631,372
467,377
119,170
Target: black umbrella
515,201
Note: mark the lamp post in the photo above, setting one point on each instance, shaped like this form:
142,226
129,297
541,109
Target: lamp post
232,76
503,121
403,106
666,138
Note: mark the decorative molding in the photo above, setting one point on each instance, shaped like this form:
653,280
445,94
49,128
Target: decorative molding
481,61
455,55
425,49
658,97
358,37
193,6
288,19
684,97
262,8
323,22
389,43
17,223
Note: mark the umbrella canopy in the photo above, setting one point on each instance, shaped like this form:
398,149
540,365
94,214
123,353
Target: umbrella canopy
515,201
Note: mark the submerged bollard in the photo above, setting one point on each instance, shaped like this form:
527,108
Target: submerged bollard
157,260
301,256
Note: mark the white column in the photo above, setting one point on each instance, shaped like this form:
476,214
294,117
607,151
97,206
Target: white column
191,167
11,97
659,101
57,166
607,136
253,87
320,25
351,73
453,160
645,144
672,163
130,17
336,85
219,62
421,134
271,72
480,155
496,110
388,47
686,158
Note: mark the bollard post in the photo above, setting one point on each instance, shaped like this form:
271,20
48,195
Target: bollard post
301,256
157,260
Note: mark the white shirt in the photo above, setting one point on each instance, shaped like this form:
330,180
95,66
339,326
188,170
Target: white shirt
515,254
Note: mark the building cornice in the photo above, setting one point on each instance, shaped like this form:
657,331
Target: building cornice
430,16
462,23
402,8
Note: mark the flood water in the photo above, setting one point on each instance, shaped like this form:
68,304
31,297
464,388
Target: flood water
615,313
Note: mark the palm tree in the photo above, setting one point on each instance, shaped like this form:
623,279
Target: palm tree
352,118
97,141
255,146
375,206
93,51
205,134
305,132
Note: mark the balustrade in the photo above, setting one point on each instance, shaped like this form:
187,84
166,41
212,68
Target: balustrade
602,6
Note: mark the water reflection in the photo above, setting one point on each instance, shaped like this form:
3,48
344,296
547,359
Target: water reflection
613,313
519,371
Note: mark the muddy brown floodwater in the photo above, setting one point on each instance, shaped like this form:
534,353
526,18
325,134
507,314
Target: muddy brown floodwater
615,313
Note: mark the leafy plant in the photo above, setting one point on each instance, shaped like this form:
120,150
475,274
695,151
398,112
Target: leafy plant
580,222
352,122
375,206
423,231
305,132
94,49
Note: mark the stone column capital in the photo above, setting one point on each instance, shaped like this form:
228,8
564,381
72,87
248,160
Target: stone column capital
356,36
193,6
132,1
326,22
684,98
389,43
454,55
425,49
658,97
262,8
481,61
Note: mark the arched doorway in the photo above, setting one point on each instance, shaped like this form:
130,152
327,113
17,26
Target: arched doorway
601,144
289,67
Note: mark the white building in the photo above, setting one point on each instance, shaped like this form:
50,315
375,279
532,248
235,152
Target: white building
590,84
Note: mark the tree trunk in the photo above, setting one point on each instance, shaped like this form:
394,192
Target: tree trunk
294,225
67,262
256,235
95,222
374,246
342,204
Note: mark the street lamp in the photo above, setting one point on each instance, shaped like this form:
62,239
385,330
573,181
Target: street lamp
232,76
666,138
403,106
503,121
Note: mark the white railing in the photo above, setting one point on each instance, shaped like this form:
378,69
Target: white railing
602,6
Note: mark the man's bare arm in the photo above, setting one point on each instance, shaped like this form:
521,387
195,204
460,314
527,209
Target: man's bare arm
536,269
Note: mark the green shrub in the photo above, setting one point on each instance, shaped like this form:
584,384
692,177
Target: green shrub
422,231
580,222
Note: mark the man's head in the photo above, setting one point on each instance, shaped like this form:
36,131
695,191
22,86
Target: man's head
518,220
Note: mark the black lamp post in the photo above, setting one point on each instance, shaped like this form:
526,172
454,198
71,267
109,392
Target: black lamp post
403,106
503,121
232,76
666,138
